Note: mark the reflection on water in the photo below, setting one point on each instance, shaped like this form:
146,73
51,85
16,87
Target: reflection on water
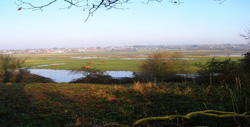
67,76
120,74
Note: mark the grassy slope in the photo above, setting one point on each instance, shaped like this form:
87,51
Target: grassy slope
92,105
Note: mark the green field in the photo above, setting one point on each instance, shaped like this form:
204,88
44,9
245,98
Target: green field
115,64
113,61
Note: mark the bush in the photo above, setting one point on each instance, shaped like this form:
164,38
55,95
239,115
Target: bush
92,76
33,78
12,70
245,67
163,66
217,71
9,65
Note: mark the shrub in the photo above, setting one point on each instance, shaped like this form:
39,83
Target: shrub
12,70
216,71
91,76
33,78
245,67
9,64
163,66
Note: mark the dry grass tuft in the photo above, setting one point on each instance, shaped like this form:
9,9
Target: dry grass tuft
119,88
145,87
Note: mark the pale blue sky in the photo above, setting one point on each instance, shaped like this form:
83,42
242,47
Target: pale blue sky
193,22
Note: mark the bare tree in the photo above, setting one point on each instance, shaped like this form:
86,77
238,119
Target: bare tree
90,5
246,35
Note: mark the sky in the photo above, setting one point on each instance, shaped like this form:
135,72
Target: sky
192,22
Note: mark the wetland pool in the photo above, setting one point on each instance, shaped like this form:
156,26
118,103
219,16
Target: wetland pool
67,75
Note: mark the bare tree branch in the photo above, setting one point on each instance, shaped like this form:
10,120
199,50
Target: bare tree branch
176,2
33,7
246,35
220,1
92,6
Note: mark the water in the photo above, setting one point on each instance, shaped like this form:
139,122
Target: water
133,58
67,75
85,58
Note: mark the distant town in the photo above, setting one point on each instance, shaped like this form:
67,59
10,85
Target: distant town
136,48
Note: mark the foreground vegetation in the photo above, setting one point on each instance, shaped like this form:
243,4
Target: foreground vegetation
156,96
120,105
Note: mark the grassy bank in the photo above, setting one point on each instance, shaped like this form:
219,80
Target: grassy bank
119,105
